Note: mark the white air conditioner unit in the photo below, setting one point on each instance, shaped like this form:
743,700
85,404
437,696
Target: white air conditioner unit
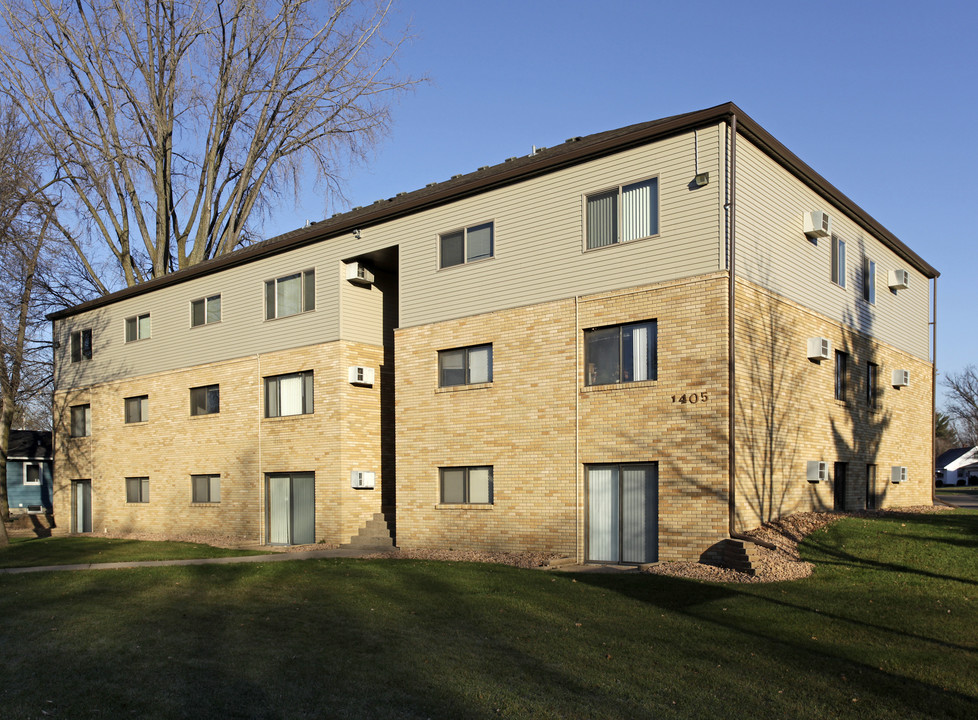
899,279
817,471
362,479
360,375
901,378
819,348
357,274
898,474
818,224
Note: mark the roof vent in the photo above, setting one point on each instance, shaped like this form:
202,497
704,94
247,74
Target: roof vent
456,177
431,184
573,139
484,167
401,194
511,159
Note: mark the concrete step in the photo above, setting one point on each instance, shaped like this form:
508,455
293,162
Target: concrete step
374,535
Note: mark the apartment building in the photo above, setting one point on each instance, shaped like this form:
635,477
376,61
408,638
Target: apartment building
625,348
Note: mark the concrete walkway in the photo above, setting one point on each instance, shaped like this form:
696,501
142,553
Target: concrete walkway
271,557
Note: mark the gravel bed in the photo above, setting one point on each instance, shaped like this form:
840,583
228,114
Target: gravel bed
785,533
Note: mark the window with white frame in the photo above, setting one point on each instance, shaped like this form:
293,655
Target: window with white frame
627,212
869,281
137,327
621,353
81,345
466,485
290,394
205,400
137,409
137,489
205,311
838,261
206,488
81,420
32,473
290,295
465,246
465,366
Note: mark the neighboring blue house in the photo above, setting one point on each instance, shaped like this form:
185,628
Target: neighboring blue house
29,478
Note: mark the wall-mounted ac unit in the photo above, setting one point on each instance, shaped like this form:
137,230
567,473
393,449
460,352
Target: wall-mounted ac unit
898,279
362,479
819,348
817,471
901,378
898,474
818,224
357,274
360,375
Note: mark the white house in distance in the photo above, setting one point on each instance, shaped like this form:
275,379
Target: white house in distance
958,466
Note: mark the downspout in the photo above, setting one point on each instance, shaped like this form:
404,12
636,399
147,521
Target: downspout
578,480
731,348
933,397
261,507
731,328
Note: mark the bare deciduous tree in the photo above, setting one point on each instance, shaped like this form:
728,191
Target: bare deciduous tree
26,217
170,122
962,403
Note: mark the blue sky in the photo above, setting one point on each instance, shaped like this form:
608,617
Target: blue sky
880,97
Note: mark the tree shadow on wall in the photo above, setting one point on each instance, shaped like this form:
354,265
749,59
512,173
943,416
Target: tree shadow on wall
768,406
857,436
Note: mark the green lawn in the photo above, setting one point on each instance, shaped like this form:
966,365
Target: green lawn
30,552
884,629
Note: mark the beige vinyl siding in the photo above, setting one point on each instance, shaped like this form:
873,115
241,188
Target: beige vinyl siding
242,331
538,256
361,311
539,235
773,251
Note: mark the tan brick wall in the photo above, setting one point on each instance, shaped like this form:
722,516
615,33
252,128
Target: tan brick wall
238,443
538,426
787,413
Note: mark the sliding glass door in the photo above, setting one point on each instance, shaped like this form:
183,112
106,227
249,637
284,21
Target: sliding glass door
623,513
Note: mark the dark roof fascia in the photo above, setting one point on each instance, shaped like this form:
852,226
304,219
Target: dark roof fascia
568,154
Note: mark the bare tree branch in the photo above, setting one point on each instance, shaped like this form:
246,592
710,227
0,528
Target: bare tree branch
171,123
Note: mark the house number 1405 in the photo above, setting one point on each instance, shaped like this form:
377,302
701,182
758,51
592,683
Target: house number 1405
691,398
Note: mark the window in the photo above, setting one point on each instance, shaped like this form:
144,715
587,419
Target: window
621,353
841,363
32,473
838,261
206,488
137,490
81,421
137,328
137,409
466,485
465,246
465,366
81,345
290,295
205,400
872,384
289,394
628,212
869,281
205,311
